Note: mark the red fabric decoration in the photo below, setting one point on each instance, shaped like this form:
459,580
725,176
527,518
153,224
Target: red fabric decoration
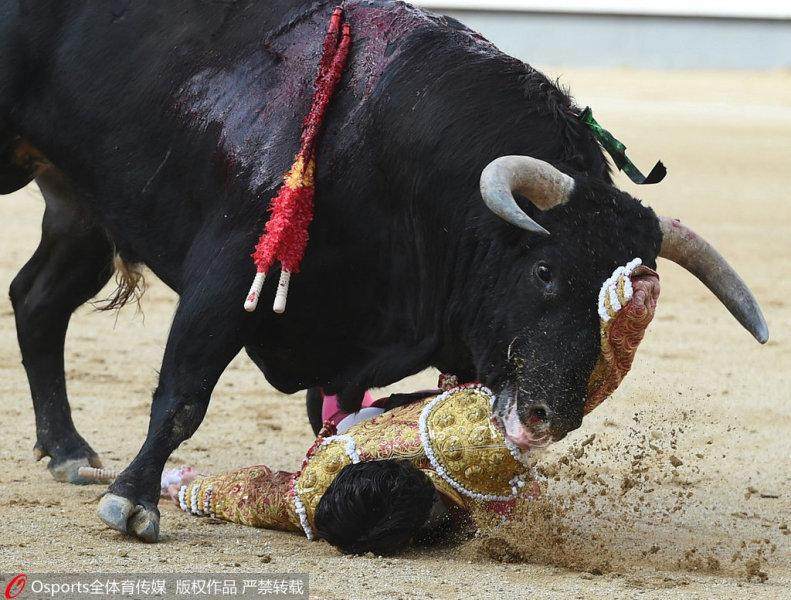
285,235
621,336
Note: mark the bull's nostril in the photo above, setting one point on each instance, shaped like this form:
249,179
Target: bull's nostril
537,415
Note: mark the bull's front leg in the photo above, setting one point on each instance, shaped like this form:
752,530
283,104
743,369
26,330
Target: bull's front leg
206,334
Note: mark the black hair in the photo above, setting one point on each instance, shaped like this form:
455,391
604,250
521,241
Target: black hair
376,506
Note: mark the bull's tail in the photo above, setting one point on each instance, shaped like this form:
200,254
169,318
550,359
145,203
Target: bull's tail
20,163
130,285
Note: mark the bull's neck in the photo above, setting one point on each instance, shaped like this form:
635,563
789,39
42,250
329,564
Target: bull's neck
435,291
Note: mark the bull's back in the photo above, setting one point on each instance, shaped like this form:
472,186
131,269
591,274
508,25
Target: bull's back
97,57
91,88
91,70
111,85
154,109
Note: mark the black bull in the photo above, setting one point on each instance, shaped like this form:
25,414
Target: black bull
159,131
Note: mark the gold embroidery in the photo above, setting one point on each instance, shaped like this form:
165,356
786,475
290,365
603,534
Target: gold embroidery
470,449
319,473
472,452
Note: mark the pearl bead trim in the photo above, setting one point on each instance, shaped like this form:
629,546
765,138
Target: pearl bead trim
299,507
182,501
609,289
207,501
194,499
351,445
303,516
516,483
195,506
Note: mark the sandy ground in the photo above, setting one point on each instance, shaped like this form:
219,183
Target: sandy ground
619,519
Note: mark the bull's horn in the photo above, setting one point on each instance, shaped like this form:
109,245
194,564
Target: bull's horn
686,248
536,180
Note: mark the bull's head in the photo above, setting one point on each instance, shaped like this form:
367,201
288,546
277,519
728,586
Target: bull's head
550,339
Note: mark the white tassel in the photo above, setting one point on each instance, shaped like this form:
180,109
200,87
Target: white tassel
255,292
282,292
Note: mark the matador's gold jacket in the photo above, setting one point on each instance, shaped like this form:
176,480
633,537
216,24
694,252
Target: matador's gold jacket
450,437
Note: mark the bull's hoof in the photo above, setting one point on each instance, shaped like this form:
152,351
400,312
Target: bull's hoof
68,471
115,511
66,457
144,524
123,515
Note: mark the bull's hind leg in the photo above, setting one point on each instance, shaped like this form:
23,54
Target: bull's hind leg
71,264
209,329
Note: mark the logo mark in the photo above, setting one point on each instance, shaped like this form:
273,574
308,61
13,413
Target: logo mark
15,586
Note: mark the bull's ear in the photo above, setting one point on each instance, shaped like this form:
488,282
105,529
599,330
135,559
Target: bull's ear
538,181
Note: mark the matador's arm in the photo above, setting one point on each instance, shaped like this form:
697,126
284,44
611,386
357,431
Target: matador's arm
254,496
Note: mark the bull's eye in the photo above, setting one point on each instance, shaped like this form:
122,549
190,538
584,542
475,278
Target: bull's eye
543,272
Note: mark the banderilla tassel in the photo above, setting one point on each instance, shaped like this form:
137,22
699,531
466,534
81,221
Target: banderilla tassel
285,234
